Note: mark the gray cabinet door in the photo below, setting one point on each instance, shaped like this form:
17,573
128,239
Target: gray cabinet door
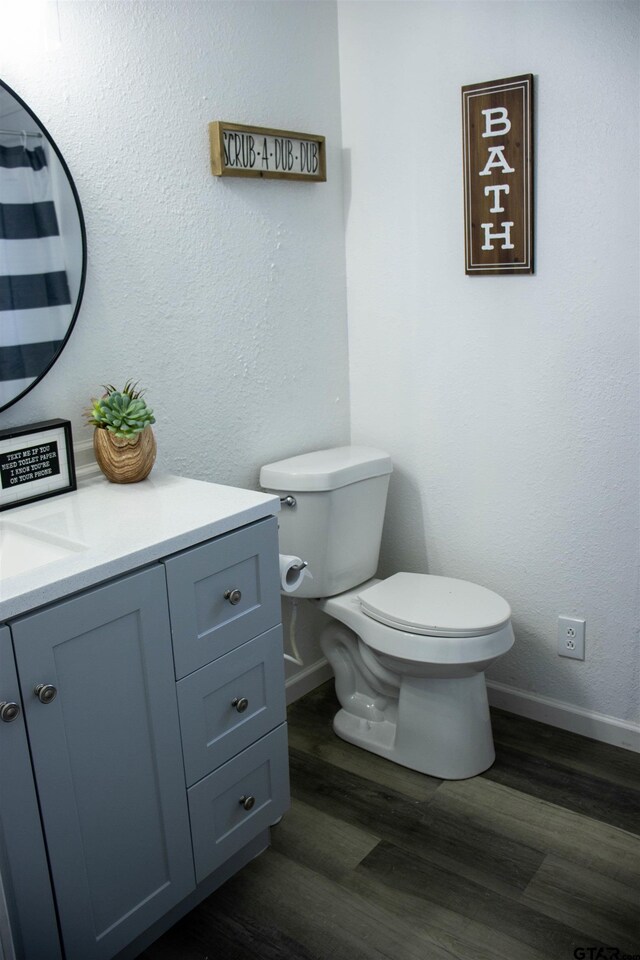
107,760
23,860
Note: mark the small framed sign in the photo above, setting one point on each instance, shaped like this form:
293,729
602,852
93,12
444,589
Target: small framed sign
497,135
36,461
238,150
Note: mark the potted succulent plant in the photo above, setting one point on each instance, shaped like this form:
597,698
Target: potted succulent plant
123,440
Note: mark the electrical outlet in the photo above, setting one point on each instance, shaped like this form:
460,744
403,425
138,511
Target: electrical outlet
571,637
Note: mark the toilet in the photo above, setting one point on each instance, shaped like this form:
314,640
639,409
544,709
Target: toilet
408,652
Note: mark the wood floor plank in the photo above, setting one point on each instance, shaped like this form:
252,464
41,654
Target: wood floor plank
330,846
573,751
438,835
222,930
346,756
545,826
327,919
552,781
439,889
598,905
347,795
467,937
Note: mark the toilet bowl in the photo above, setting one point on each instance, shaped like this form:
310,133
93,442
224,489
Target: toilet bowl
416,697
408,652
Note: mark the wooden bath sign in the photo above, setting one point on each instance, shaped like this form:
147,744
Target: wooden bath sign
497,135
238,150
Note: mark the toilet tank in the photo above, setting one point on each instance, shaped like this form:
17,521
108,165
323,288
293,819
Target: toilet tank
336,524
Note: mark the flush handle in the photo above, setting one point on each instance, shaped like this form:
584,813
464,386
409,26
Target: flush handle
247,802
233,596
9,711
45,692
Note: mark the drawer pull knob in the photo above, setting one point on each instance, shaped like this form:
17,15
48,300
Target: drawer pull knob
233,596
9,711
45,692
240,703
247,802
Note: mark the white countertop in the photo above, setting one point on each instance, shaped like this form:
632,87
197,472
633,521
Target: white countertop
104,529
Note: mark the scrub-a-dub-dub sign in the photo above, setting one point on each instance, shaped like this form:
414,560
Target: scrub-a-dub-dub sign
238,150
497,126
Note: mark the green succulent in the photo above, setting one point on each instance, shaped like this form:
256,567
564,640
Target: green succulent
123,412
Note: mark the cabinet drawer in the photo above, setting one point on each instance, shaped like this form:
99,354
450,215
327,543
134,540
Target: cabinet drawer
214,727
223,593
220,824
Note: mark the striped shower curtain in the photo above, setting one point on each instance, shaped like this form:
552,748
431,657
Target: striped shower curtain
34,290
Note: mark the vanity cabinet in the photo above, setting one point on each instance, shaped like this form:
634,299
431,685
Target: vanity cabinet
154,710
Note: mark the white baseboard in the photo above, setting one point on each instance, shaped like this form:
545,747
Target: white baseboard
588,723
307,679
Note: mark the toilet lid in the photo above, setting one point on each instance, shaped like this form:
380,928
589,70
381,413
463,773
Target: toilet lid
435,606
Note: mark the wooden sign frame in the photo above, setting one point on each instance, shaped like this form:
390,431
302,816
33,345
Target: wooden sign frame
497,136
240,150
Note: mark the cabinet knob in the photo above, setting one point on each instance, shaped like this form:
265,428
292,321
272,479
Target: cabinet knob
247,802
240,703
233,596
9,711
45,692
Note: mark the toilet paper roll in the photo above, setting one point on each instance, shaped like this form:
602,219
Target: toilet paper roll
292,571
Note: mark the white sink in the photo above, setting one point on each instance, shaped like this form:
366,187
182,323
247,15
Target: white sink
23,549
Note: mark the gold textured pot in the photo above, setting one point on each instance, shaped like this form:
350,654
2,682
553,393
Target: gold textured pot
125,460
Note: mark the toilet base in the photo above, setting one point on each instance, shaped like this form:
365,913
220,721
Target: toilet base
439,725
449,738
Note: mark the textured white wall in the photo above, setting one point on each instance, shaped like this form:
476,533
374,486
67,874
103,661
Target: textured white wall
509,404
225,297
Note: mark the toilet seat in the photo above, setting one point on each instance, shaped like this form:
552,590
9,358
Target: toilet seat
473,650
426,605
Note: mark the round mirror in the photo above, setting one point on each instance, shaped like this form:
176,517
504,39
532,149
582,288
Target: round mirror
43,249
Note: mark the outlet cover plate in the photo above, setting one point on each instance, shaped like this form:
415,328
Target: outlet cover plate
571,632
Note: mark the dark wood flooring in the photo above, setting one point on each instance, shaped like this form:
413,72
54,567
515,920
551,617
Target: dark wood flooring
536,859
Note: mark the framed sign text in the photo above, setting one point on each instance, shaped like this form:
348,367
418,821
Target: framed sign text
238,150
497,138
36,461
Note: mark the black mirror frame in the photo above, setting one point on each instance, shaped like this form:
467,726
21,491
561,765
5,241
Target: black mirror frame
83,234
